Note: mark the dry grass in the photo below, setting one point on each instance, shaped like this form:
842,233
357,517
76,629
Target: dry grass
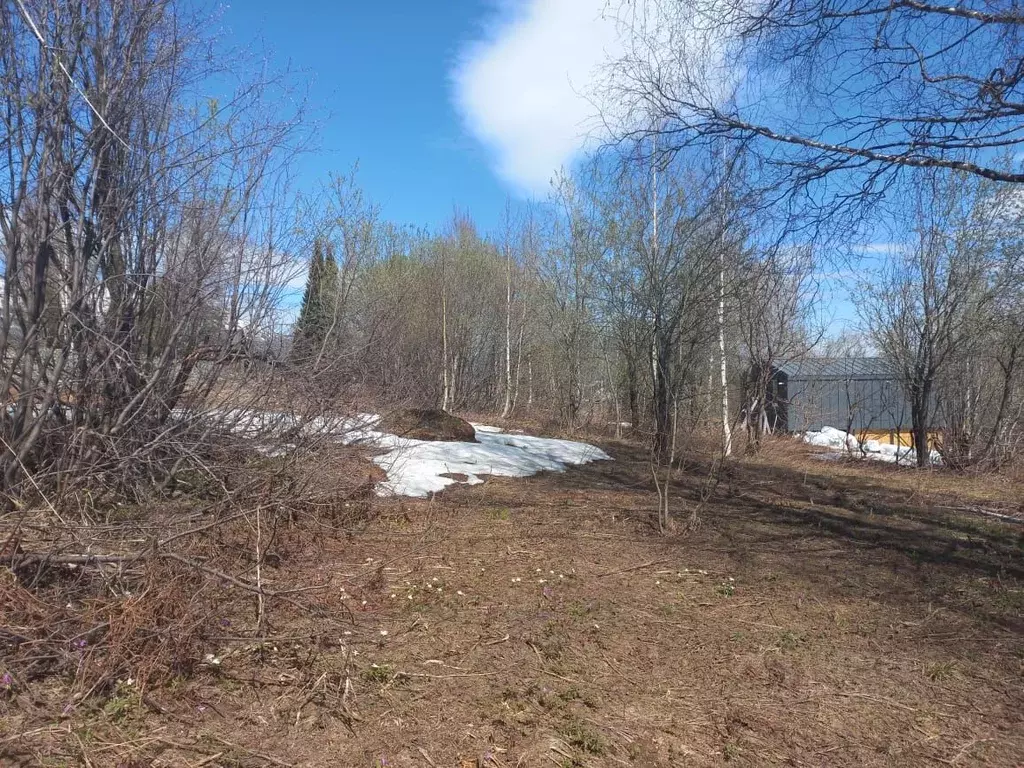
1002,492
543,622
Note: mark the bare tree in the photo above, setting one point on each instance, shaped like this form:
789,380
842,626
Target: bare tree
978,393
661,275
529,248
447,375
776,296
506,246
924,305
569,272
143,250
816,87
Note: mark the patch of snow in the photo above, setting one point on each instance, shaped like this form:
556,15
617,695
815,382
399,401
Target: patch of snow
830,437
844,444
415,467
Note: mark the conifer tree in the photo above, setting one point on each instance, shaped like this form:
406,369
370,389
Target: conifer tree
316,314
310,315
328,287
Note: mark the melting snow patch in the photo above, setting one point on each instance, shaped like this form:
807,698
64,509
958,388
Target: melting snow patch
420,467
846,444
414,467
830,437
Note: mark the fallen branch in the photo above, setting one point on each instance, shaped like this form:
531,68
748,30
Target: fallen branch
876,699
989,513
208,760
39,559
631,568
196,748
442,677
261,755
36,732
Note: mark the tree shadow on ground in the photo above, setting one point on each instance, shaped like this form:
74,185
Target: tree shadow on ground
848,538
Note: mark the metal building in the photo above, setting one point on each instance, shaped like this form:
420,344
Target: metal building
860,395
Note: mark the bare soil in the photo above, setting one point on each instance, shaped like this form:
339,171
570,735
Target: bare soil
817,617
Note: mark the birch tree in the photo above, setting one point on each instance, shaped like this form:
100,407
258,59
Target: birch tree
661,272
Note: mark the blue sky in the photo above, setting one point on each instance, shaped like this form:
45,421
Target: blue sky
454,103
444,105
379,75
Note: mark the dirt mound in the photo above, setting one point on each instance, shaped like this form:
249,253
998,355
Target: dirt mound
428,424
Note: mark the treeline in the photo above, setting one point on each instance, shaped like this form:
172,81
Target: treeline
635,297
657,296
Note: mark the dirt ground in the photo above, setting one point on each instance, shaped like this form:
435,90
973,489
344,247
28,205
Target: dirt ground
817,617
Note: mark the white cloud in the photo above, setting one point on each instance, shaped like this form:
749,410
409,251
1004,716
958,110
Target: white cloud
525,89
534,87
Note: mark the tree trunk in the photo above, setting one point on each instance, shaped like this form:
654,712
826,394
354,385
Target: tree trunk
519,361
1008,369
632,392
529,375
508,335
446,382
662,394
726,426
919,425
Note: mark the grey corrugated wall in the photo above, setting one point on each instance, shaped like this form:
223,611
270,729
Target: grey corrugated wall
862,404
